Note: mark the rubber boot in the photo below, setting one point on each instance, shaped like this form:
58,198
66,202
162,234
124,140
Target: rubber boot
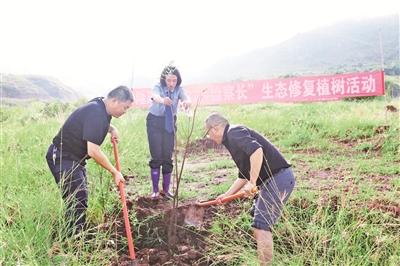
166,185
155,178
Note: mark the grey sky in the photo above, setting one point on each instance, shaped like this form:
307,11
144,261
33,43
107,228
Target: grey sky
96,45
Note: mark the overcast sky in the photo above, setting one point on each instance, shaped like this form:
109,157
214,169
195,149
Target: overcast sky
94,46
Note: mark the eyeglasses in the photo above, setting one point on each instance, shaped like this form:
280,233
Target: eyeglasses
206,133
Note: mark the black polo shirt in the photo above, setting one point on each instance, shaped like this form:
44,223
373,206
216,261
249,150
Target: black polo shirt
242,142
89,122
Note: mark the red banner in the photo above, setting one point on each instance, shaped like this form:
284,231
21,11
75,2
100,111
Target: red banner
298,89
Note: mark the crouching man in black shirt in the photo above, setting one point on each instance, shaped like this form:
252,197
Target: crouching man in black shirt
79,139
260,164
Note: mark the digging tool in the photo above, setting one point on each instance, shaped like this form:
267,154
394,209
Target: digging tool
121,187
195,213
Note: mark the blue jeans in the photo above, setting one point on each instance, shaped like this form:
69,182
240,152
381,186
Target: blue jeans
272,196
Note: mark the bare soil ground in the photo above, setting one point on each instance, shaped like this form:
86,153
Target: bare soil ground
155,219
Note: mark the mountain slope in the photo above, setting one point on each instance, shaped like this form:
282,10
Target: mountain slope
348,46
35,87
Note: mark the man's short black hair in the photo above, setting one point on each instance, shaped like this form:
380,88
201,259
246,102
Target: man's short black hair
121,93
170,70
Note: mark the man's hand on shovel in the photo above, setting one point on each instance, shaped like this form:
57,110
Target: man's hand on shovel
114,134
118,177
195,213
250,189
219,199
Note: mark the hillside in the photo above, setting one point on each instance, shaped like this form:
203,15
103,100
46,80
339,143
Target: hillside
35,87
347,46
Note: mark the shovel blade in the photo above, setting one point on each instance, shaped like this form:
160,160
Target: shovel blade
194,216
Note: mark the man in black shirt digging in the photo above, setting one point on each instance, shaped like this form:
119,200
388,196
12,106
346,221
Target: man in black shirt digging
260,164
79,139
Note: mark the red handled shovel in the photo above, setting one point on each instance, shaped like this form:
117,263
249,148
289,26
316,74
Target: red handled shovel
121,187
195,212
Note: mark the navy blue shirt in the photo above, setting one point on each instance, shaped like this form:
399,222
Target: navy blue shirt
242,142
89,122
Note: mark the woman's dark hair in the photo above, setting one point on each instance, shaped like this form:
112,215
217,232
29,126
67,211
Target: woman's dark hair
170,70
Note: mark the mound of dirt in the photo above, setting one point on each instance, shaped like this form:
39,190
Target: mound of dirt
152,239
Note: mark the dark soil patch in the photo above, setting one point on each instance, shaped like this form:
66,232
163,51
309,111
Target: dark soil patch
341,201
203,145
151,234
392,208
391,108
364,143
329,179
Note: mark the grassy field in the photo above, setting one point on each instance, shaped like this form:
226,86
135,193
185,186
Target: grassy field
345,209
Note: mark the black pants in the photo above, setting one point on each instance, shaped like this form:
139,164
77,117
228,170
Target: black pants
161,143
71,178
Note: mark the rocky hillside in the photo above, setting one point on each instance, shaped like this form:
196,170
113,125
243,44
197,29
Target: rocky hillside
35,87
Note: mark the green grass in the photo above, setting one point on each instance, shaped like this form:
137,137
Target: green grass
331,145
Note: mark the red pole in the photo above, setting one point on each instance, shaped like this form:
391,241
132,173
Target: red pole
121,187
